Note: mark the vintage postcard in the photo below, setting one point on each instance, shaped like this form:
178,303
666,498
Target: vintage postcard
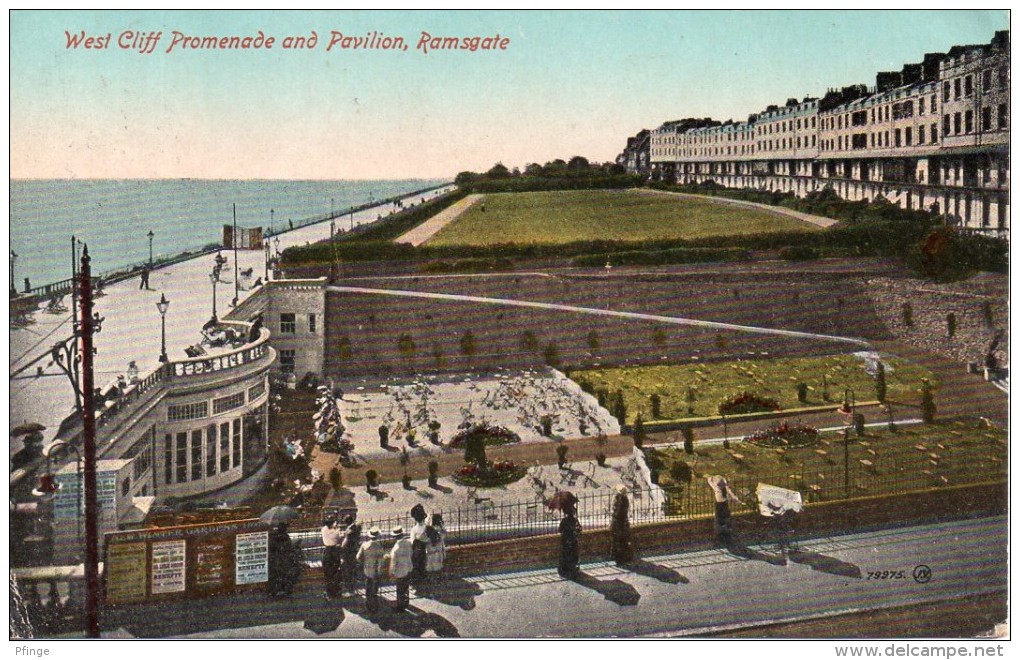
377,325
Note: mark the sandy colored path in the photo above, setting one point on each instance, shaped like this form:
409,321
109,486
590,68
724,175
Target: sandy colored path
778,210
427,229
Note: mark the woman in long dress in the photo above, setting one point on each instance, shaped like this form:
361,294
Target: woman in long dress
620,546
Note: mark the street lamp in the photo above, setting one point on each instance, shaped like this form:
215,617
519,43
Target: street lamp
150,235
214,277
163,305
848,408
265,246
48,485
14,257
276,244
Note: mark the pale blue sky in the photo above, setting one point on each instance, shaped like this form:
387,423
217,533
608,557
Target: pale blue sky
569,83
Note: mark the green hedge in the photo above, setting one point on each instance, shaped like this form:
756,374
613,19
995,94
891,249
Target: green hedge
467,266
540,184
659,257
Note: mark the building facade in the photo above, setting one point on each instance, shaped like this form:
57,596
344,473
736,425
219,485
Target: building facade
933,136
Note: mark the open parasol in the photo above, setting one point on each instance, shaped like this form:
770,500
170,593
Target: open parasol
562,500
279,514
25,429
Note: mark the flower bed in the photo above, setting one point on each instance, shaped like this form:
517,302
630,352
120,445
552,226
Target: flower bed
747,402
493,474
785,435
492,435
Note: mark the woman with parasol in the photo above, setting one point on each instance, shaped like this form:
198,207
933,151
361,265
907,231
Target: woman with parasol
570,533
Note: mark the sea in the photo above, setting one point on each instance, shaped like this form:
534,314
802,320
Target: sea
114,217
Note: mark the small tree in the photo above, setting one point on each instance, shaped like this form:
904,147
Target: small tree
639,432
405,344
371,480
988,314
951,324
529,341
721,342
859,424
593,341
546,423
433,473
336,478
602,394
552,355
681,474
467,344
691,396
474,450
384,436
927,402
561,455
908,314
802,390
688,433
880,386
344,348
619,407
659,337
656,406
438,358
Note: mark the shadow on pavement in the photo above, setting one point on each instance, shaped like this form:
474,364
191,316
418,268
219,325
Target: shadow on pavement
745,552
656,571
616,591
453,590
825,564
324,617
412,622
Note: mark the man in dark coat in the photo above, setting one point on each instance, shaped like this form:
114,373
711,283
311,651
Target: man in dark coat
570,542
284,563
619,528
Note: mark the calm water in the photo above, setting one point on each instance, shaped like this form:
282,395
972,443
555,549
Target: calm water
115,216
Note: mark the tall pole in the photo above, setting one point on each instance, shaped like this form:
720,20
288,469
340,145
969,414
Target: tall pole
236,283
150,234
89,472
272,228
74,282
14,257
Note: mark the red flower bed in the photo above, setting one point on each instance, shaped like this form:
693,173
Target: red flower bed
493,435
494,474
785,435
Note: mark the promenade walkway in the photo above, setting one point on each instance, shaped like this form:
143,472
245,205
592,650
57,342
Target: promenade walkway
131,330
428,229
711,592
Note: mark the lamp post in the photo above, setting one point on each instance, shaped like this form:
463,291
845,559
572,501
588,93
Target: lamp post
848,408
150,235
213,277
48,487
265,246
163,305
276,244
14,257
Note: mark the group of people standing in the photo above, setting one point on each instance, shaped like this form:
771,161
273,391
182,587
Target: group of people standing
414,559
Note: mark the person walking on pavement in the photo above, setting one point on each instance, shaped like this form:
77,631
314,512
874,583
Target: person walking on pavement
331,557
619,528
349,554
570,541
435,552
399,558
371,555
723,497
419,546
144,284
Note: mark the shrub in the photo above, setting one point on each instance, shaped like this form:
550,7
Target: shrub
384,436
908,315
336,478
593,341
785,435
802,390
859,424
688,434
747,402
551,354
467,344
619,407
405,344
489,475
639,432
659,337
927,402
600,458
371,479
561,455
951,324
681,473
546,423
987,313
406,481
691,397
880,384
656,406
529,341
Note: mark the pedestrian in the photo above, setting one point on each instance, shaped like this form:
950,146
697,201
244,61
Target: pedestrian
399,558
349,553
144,284
331,557
723,496
619,528
570,541
371,554
435,552
284,563
419,546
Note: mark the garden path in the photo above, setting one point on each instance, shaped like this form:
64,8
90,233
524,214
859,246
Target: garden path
427,229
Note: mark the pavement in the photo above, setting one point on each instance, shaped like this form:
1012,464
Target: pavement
712,592
776,210
131,329
428,229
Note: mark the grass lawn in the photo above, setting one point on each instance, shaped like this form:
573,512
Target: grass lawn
913,457
568,216
711,383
